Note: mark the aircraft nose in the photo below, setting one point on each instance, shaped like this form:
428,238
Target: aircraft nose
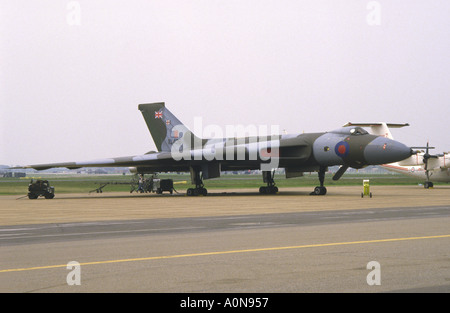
383,150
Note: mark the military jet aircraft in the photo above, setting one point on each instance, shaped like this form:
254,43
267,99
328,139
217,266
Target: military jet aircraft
181,151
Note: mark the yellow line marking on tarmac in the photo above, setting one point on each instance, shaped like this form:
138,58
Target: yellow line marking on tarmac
228,252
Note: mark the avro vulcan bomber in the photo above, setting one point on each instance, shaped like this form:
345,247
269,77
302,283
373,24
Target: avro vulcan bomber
180,150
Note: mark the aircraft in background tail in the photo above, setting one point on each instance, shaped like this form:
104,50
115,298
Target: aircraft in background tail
421,164
180,150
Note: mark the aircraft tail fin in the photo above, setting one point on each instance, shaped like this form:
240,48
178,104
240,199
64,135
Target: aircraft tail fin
379,129
164,127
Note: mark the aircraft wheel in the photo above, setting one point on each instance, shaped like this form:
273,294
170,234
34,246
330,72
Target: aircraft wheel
269,190
428,184
319,191
197,191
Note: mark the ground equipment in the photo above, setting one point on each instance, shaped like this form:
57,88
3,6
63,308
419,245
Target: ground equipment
40,188
366,191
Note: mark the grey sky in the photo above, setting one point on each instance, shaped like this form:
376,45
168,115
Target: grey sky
72,73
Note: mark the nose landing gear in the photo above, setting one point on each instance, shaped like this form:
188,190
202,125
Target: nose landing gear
320,190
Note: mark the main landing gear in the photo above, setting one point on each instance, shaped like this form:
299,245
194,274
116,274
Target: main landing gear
270,188
199,187
320,190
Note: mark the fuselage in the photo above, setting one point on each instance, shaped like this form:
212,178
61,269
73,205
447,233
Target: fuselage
349,146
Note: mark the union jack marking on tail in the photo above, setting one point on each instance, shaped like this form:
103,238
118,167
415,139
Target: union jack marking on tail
158,114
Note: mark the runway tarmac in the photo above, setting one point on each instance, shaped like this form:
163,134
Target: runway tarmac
234,242
122,206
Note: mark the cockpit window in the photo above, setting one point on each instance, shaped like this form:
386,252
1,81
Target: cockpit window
353,131
358,131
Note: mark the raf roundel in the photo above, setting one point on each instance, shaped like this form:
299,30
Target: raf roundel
342,149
